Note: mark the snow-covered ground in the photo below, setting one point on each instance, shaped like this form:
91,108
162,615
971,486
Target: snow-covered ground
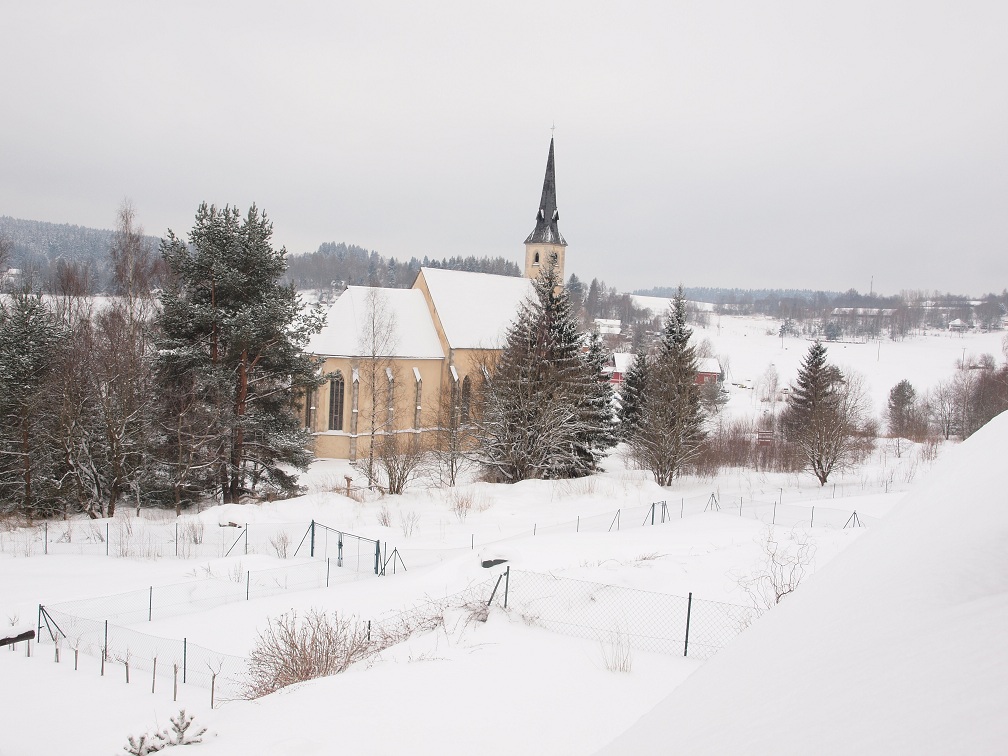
884,651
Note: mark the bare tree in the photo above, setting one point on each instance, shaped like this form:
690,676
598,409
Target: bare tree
134,264
941,404
377,341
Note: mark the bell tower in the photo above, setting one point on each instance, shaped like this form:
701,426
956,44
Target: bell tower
545,239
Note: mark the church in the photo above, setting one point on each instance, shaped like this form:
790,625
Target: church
394,358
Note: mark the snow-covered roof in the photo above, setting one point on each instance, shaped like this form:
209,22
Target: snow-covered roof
414,334
708,365
475,309
622,361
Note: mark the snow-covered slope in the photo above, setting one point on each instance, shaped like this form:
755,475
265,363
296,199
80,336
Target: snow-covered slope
895,647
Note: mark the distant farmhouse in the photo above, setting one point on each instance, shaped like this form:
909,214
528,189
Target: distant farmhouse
395,359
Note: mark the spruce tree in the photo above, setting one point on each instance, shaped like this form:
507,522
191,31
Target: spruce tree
31,338
540,416
602,412
232,351
668,433
632,396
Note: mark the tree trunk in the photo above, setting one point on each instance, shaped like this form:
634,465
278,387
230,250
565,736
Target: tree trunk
237,450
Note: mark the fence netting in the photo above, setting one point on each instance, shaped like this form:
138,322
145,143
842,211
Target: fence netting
647,620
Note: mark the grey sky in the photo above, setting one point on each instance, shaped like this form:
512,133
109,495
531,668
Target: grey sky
747,144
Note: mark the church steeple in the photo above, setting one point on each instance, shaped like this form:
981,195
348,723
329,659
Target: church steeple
546,238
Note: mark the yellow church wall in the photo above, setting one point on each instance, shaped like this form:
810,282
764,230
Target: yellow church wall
338,443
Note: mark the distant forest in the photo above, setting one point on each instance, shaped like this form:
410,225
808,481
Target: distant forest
38,247
41,249
334,266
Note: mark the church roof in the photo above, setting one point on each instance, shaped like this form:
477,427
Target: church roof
546,231
413,334
475,309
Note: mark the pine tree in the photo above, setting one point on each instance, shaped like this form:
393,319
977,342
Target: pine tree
232,350
632,396
602,415
540,416
670,428
31,338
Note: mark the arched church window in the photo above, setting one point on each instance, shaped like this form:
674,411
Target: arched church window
337,389
535,260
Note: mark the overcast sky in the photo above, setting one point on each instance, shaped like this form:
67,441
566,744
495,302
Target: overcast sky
750,144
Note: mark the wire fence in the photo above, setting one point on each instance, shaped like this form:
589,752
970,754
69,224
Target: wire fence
99,626
139,538
141,656
656,622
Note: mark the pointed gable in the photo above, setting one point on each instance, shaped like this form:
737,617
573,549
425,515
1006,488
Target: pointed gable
546,230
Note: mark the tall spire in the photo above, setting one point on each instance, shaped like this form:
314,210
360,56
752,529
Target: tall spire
546,231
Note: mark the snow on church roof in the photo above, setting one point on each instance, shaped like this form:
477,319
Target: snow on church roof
414,334
475,309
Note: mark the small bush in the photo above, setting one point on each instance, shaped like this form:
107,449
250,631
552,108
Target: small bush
290,651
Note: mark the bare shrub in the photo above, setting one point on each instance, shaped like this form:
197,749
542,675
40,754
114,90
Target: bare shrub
785,564
384,516
928,451
616,653
408,522
281,544
290,651
237,573
460,502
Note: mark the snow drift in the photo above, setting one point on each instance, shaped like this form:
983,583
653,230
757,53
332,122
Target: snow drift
896,646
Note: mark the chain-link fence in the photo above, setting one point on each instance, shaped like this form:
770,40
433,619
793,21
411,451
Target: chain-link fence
139,538
656,622
142,657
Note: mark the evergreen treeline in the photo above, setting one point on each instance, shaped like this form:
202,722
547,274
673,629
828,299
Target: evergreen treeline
334,266
155,396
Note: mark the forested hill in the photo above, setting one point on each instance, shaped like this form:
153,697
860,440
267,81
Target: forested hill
335,265
38,245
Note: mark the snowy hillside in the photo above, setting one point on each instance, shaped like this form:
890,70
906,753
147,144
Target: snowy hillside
896,647
889,643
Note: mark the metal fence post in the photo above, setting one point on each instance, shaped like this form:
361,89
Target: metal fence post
377,556
327,572
689,609
311,552
507,582
150,604
248,583
185,650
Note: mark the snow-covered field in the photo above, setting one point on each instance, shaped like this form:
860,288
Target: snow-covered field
892,648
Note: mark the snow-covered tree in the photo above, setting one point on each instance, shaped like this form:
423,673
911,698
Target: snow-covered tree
669,430
632,395
539,415
826,414
31,338
232,339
